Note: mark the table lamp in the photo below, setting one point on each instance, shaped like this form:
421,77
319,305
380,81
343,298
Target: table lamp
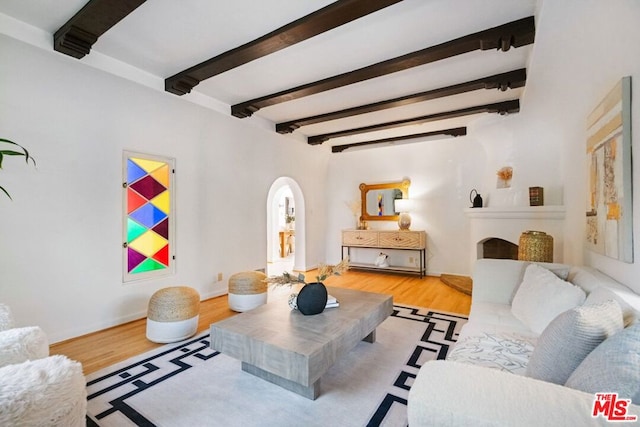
403,206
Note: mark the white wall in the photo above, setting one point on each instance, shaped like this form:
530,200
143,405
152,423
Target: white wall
442,174
60,237
597,46
582,48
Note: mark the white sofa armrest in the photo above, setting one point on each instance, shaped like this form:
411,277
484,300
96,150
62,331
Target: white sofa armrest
22,344
456,394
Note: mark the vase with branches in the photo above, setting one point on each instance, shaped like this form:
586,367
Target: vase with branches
312,297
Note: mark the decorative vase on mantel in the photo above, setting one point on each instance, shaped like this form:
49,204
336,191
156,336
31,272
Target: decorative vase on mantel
312,298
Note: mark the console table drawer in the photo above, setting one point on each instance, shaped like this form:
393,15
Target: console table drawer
401,239
360,238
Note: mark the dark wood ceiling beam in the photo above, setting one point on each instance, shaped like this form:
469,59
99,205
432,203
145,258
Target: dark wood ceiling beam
512,79
77,36
318,22
461,131
505,107
514,34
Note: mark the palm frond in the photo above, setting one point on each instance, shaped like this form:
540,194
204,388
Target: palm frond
7,152
24,152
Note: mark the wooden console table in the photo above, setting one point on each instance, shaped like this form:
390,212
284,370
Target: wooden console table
407,240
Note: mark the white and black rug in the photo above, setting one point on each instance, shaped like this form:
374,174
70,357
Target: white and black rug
189,384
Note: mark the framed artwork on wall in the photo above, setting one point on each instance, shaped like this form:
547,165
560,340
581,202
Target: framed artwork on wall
149,215
609,216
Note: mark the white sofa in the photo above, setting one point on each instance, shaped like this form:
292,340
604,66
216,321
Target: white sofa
37,389
513,358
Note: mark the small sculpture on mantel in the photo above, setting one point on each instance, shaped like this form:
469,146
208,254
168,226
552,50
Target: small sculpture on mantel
476,201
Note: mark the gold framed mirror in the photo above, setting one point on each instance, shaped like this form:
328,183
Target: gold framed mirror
377,200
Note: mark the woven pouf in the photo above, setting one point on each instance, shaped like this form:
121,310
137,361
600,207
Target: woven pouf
247,290
173,314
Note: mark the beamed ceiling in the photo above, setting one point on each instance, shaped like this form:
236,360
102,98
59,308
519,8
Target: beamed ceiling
347,73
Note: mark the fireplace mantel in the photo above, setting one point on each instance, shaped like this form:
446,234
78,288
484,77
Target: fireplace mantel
517,212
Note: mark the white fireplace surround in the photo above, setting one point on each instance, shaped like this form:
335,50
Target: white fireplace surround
508,223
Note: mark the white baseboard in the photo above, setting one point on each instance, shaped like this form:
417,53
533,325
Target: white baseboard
99,326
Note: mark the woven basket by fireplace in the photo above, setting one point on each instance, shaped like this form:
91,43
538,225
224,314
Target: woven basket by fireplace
535,246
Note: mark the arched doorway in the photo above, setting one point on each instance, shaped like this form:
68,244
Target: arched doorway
285,199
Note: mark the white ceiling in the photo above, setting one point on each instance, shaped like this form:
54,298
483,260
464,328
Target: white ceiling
164,37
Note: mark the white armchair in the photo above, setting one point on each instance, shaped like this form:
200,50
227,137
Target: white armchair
35,388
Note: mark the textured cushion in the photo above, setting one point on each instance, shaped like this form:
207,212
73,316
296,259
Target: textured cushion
570,337
542,296
507,352
629,302
6,319
44,392
614,366
21,344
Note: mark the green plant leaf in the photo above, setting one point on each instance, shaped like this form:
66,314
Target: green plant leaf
5,192
6,152
24,152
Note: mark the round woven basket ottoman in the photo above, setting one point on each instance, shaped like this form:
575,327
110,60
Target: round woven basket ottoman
247,290
173,314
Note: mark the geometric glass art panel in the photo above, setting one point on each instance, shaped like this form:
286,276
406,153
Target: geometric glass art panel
148,200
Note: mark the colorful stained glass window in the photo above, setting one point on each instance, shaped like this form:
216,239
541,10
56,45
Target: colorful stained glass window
148,204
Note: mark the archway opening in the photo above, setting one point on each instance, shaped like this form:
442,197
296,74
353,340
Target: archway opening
285,227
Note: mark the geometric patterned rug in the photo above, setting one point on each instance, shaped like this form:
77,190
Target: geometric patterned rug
188,383
440,333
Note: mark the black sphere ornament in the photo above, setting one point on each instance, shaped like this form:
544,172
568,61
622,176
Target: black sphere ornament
312,298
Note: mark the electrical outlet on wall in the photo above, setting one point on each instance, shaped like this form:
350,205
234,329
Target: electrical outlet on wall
220,277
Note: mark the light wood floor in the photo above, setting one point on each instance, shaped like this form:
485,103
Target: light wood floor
104,348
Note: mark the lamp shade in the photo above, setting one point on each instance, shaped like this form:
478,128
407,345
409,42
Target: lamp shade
403,205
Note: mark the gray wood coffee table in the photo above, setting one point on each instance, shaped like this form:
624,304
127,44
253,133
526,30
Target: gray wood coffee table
291,350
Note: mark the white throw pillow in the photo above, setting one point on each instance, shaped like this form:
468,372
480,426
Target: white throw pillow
629,302
542,296
560,270
570,337
613,367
